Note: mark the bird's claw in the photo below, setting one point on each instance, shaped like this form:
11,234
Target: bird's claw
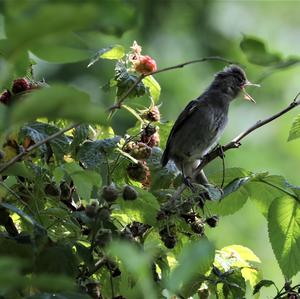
188,182
221,151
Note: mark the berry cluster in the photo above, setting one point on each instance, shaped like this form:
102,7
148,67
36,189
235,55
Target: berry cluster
19,86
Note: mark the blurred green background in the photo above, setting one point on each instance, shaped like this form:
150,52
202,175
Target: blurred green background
175,31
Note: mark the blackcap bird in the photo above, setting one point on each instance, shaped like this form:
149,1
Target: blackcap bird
200,125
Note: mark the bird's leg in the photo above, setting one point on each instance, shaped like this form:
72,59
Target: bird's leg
221,154
187,180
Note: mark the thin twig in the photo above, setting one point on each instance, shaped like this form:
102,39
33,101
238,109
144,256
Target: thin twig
235,142
35,146
118,105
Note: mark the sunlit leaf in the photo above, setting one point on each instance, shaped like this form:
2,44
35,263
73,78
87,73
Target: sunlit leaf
284,233
112,52
295,129
154,87
144,209
83,179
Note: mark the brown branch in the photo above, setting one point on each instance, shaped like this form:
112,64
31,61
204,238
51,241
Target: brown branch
118,105
35,146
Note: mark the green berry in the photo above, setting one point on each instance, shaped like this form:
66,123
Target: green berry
129,193
110,193
212,221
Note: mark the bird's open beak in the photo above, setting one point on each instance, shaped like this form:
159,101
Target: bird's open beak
247,95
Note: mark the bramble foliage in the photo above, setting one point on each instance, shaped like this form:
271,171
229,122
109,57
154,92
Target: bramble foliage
89,214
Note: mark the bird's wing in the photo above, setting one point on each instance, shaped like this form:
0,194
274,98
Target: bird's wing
185,114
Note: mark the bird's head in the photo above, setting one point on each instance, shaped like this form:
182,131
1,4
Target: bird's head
232,80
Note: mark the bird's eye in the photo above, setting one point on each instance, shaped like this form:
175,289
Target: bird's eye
240,80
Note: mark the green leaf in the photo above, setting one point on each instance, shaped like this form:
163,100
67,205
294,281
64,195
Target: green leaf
137,263
164,132
153,86
295,129
284,233
20,251
84,180
112,52
241,253
262,283
52,283
3,118
234,285
67,295
10,273
95,154
195,258
58,101
230,204
38,131
59,54
235,185
57,259
80,134
161,178
257,53
125,80
263,190
19,169
22,214
144,209
231,174
23,31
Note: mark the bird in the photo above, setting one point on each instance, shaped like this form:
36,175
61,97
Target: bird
200,125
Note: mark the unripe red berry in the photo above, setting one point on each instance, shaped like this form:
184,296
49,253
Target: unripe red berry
145,65
5,97
20,85
138,150
138,172
129,193
152,140
152,114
